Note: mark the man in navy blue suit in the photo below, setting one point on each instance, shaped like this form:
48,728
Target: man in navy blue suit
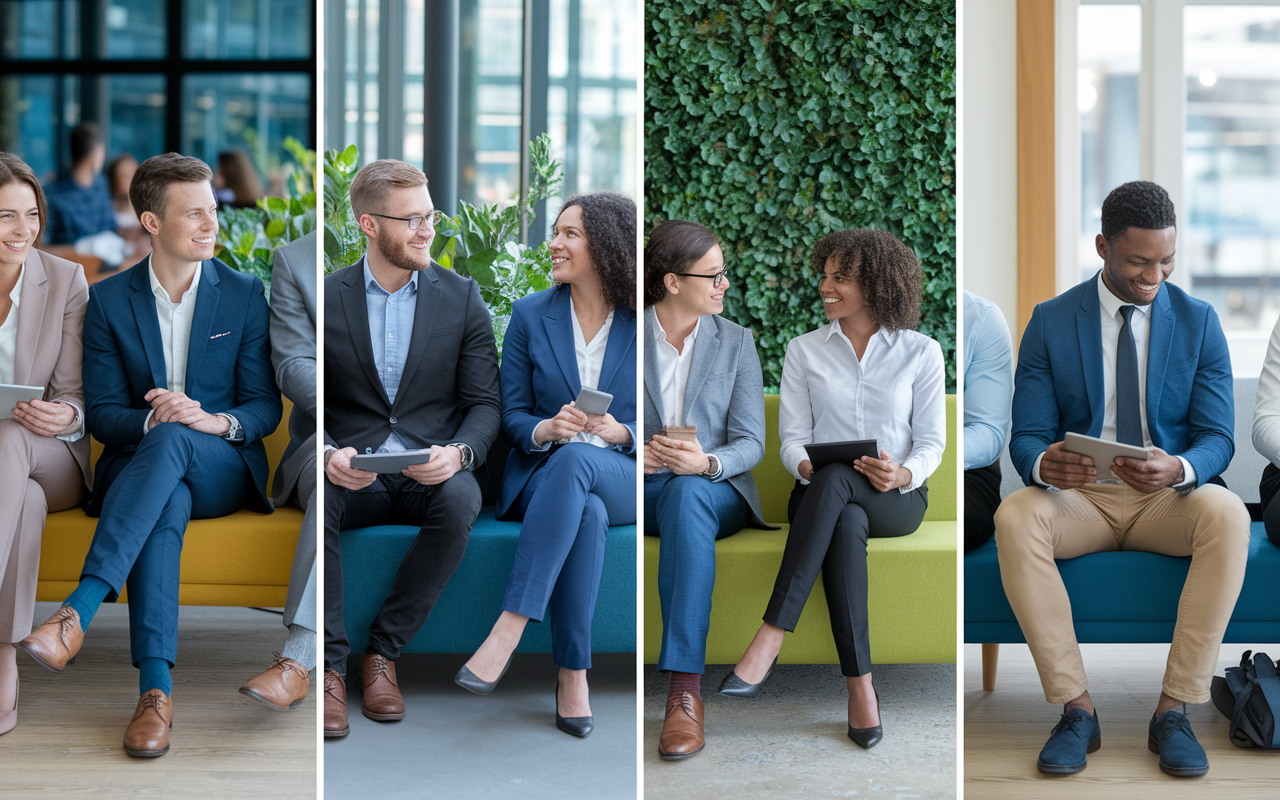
1127,358
179,389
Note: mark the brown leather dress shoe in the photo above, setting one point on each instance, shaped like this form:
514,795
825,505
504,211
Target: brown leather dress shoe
382,700
55,642
148,735
335,705
682,730
283,686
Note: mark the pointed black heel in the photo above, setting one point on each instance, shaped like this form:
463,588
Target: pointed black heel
733,686
574,726
468,680
867,738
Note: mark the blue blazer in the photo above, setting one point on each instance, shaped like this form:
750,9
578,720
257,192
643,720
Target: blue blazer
228,364
1059,383
540,374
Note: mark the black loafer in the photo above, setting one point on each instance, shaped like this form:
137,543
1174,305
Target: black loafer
733,686
574,726
468,680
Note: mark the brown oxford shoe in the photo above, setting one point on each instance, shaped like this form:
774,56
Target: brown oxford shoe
57,641
283,686
382,700
335,705
682,730
148,734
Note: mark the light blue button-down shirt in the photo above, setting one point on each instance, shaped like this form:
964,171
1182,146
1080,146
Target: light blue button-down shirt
988,381
390,328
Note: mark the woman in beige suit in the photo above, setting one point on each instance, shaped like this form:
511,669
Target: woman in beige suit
44,454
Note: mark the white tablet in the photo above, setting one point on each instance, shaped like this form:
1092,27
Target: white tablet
390,462
11,395
1102,452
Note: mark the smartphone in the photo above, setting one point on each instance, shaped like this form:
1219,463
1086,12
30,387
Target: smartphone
592,401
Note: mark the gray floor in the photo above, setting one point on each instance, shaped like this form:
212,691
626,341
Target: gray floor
791,740
455,744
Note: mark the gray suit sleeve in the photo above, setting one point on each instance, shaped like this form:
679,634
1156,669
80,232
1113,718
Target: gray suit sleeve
293,335
744,427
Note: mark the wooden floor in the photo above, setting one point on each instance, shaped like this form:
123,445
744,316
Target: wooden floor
1005,729
71,724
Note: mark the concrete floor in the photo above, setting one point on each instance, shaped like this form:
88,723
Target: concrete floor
455,744
791,740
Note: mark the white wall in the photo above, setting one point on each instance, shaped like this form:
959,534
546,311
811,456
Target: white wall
989,153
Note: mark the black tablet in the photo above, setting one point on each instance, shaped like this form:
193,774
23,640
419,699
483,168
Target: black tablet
820,455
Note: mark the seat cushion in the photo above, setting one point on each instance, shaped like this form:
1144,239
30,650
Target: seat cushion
1124,596
472,600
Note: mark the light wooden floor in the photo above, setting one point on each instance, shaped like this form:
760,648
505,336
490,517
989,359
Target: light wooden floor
71,724
1005,729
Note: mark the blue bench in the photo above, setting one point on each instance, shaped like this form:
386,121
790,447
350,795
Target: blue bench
1127,596
473,598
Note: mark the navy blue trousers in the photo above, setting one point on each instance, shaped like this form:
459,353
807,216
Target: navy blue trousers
567,507
176,475
689,513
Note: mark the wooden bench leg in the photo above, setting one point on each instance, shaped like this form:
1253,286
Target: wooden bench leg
990,657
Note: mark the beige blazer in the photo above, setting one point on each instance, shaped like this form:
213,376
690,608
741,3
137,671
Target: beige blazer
49,349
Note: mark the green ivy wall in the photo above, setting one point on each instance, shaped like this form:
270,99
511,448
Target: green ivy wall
775,123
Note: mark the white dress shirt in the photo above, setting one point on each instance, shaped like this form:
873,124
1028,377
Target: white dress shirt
590,360
1112,322
673,369
1266,409
896,395
9,354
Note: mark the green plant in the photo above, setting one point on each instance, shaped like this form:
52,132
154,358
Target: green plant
774,124
480,241
248,236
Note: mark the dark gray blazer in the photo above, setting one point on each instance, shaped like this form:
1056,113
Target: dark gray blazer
449,391
293,354
724,398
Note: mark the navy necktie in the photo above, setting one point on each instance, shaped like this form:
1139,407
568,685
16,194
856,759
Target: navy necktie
1128,397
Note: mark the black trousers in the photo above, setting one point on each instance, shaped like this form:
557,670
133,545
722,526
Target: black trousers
831,519
1267,491
444,513
981,499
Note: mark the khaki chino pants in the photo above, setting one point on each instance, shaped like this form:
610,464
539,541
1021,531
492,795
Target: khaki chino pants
1035,526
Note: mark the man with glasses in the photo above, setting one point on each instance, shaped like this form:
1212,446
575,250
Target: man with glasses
410,364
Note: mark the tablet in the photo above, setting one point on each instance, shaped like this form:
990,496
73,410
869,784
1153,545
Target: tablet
390,462
593,401
11,395
820,455
1102,452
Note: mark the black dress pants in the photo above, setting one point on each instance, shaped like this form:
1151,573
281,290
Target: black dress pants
831,519
1267,491
444,514
981,499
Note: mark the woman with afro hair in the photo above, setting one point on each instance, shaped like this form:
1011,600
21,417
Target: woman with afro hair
866,375
570,474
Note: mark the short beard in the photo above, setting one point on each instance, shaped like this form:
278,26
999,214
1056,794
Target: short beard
397,257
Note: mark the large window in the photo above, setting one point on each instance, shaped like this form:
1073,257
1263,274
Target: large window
197,77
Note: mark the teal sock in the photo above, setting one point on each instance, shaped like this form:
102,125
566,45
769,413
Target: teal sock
153,673
87,597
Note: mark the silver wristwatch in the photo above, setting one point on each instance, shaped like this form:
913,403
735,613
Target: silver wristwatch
468,457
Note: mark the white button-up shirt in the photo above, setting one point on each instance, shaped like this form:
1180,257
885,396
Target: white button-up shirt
590,360
9,355
896,395
175,327
673,369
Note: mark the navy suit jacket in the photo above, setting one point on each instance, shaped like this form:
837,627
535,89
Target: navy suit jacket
228,365
1059,383
540,374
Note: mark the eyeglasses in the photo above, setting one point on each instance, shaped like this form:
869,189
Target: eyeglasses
432,220
716,279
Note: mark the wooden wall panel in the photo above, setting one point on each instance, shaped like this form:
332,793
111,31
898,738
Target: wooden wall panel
1037,187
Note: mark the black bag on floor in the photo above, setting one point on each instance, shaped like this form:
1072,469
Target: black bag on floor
1249,696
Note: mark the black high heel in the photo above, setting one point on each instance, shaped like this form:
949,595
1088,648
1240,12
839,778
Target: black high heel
574,726
733,686
867,738
468,680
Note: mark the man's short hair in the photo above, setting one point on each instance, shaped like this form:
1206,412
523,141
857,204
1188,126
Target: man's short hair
15,170
84,138
375,178
150,188
1137,204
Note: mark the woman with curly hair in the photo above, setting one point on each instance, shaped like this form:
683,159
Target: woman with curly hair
571,474
866,375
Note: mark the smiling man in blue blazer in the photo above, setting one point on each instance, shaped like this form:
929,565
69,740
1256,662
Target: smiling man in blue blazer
180,391
1128,358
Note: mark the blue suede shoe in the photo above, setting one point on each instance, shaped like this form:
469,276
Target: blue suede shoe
1075,735
1170,736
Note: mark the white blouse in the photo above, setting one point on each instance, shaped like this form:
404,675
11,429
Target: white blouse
590,359
9,333
896,395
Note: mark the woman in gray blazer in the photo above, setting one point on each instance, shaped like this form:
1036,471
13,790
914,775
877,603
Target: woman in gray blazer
699,371
43,447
